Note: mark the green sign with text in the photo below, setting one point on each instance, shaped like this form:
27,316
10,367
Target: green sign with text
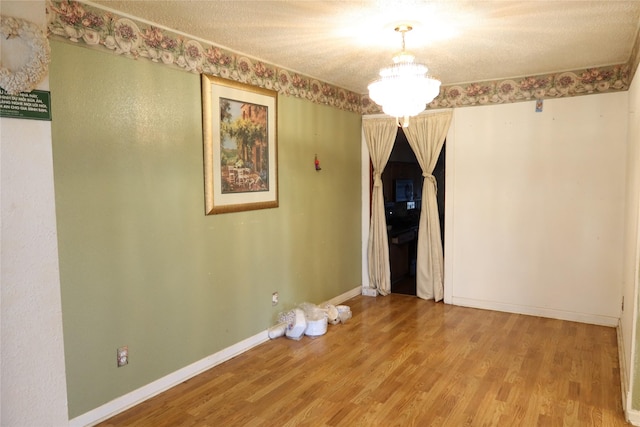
34,105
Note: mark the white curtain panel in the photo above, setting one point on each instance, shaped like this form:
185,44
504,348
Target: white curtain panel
380,135
426,135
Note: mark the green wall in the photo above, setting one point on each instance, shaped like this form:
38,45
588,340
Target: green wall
140,263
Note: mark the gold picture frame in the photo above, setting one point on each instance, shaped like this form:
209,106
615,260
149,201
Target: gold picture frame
240,146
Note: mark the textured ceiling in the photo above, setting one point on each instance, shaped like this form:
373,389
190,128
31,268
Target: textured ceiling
346,42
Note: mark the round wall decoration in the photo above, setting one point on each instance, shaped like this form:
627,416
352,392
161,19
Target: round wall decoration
30,74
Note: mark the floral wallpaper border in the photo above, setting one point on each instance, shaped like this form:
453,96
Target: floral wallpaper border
77,22
87,25
573,83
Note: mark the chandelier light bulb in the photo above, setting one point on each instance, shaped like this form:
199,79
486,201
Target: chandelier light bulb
404,88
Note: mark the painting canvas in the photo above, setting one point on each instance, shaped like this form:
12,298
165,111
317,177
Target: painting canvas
240,146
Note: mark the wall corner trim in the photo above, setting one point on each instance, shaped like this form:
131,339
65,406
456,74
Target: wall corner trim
624,392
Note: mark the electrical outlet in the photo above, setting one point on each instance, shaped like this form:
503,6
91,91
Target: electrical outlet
274,298
122,356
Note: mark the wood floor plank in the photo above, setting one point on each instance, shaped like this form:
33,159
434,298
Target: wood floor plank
403,361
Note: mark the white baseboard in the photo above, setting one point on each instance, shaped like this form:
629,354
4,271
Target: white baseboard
138,396
593,319
633,417
346,296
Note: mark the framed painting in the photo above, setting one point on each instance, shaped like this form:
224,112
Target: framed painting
240,146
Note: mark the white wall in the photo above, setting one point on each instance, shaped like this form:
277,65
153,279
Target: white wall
32,371
536,208
628,320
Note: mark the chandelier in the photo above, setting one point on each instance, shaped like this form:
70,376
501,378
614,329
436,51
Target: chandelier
404,89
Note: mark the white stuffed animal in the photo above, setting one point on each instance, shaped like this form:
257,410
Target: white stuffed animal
332,314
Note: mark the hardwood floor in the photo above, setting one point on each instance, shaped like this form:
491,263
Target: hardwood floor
403,361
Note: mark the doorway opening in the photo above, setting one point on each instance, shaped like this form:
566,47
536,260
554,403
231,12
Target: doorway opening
402,186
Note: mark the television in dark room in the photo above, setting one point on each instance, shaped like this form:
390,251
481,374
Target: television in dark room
404,190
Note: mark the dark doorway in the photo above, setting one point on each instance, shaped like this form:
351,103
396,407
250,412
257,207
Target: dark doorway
402,181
